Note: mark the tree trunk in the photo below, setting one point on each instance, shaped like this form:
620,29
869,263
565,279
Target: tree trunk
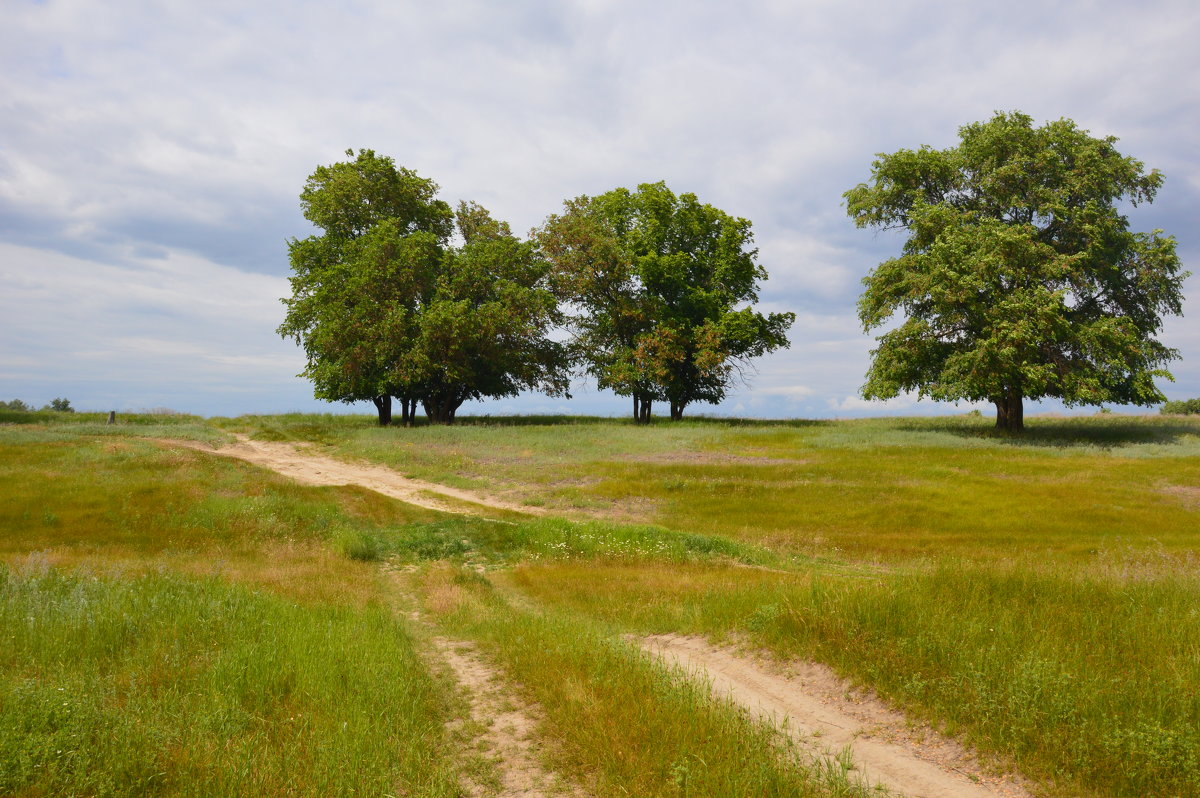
677,410
407,409
441,409
644,410
383,405
1010,412
641,408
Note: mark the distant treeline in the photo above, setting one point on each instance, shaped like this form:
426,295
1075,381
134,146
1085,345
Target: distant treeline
1181,407
56,405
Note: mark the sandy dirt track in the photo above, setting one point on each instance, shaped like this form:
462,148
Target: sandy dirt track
813,703
315,469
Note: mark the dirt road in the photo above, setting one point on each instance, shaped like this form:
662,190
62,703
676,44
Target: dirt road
315,469
813,703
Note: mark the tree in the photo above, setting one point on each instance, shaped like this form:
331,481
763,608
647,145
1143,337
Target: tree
60,405
355,286
1020,277
385,307
663,286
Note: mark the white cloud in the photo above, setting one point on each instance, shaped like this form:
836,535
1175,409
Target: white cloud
187,130
793,392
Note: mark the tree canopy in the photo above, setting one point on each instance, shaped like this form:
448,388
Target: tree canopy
1020,277
384,306
663,287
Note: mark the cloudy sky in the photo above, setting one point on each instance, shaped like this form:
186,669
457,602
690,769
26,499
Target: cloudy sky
151,154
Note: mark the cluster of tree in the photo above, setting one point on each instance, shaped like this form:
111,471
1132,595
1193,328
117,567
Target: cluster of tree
1181,407
1020,277
56,405
401,296
385,305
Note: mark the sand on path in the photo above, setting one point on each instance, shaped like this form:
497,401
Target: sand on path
311,468
508,730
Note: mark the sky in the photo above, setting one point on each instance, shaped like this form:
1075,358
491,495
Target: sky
152,154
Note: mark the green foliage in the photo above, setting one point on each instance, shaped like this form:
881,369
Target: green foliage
60,406
493,543
1020,277
384,306
665,286
16,405
1182,407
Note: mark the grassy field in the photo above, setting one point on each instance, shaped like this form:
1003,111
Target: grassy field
1036,596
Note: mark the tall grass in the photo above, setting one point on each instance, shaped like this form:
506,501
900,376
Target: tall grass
162,685
95,499
48,426
1035,594
1090,682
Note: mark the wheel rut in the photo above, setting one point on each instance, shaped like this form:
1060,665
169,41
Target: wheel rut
813,704
506,729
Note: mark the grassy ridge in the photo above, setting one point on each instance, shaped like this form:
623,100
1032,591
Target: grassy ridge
880,489
492,543
159,684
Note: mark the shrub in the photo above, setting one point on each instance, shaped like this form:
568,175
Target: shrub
60,406
1181,407
15,404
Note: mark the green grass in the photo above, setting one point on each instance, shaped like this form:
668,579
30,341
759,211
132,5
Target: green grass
181,624
495,543
89,498
1034,594
163,685
44,425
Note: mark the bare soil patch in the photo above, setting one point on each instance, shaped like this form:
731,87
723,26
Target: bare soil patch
315,469
826,716
1187,495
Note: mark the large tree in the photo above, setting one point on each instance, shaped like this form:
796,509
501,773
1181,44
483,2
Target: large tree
664,287
1020,277
384,306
